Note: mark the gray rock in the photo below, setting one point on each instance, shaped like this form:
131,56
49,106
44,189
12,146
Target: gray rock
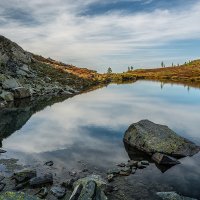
49,163
132,163
140,165
110,177
88,192
21,92
2,186
41,180
100,195
58,191
126,171
90,186
24,175
7,96
10,84
42,193
172,196
76,193
121,165
114,171
21,186
99,181
2,151
151,138
145,162
163,159
69,183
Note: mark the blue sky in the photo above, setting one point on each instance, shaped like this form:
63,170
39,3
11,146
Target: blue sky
101,33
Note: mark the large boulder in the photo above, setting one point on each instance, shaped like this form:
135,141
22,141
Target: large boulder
153,138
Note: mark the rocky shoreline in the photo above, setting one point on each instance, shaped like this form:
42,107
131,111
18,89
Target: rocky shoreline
23,76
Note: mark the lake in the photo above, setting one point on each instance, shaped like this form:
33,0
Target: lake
90,128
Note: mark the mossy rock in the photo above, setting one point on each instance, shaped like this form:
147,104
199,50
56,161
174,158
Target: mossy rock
17,196
153,138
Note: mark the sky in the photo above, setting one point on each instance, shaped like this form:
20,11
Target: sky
105,33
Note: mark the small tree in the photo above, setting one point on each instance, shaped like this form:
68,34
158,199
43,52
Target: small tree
162,64
131,68
109,71
172,64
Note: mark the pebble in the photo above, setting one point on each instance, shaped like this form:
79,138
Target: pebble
121,165
110,177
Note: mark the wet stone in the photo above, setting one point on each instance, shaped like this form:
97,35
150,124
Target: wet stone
145,162
69,183
21,186
58,191
100,195
2,151
110,177
76,193
114,171
41,180
141,166
132,163
42,193
172,196
163,159
24,175
121,165
2,186
49,163
126,171
88,192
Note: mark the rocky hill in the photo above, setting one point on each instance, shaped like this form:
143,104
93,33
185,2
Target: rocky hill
23,74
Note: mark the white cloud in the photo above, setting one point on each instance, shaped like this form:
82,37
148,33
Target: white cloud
109,39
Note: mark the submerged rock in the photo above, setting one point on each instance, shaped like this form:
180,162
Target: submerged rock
172,196
21,186
24,175
2,151
151,138
42,193
2,186
49,163
58,191
163,159
41,180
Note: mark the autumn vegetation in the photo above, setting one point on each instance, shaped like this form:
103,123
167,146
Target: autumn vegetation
188,73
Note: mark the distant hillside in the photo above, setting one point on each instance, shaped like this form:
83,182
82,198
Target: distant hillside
188,73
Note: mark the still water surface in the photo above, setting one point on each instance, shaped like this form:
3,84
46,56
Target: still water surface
90,127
